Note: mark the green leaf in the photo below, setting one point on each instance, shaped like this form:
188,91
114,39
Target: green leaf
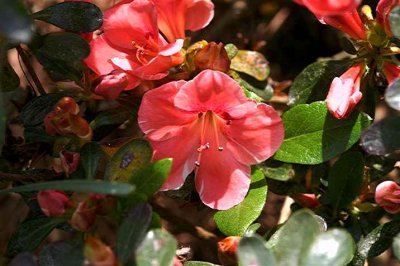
150,177
252,251
15,23
345,179
376,242
252,63
394,20
132,230
280,172
231,50
392,95
382,137
61,254
294,238
396,246
64,46
158,248
313,83
111,117
235,221
72,16
127,159
92,155
36,110
334,247
95,186
31,233
313,135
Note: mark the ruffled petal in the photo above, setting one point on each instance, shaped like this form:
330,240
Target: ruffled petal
210,90
257,136
101,53
158,113
131,23
199,14
221,181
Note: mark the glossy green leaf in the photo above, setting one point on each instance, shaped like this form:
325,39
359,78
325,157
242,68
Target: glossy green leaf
132,230
334,247
345,179
127,159
394,20
252,251
31,233
252,63
294,238
313,83
396,246
94,186
92,156
64,46
392,95
15,23
72,16
236,220
382,137
150,177
36,110
376,242
111,117
313,135
158,248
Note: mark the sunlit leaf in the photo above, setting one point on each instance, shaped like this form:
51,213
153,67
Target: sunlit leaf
252,63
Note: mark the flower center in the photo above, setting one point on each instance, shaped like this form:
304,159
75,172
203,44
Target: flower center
209,135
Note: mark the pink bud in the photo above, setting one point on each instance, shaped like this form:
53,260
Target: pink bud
112,85
387,195
69,161
53,202
344,93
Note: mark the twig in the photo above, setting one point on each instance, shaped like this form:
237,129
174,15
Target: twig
30,69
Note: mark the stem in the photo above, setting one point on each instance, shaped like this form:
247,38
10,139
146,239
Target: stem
30,69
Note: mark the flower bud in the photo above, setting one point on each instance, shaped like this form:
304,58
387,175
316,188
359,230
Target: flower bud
69,161
227,250
344,93
212,56
99,254
84,216
53,203
387,195
111,85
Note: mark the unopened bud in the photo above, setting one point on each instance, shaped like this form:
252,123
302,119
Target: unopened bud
53,203
212,56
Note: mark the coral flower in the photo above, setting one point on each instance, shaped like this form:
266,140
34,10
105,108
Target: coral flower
176,16
131,48
329,7
387,195
344,93
391,71
208,125
53,202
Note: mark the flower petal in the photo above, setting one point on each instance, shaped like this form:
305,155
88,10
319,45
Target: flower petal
171,18
257,136
210,90
199,14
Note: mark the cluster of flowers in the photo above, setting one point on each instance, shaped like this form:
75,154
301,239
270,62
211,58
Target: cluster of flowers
372,38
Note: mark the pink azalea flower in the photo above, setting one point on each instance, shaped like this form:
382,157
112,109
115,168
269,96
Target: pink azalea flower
383,10
176,16
208,125
391,71
387,195
344,93
329,7
53,202
131,43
